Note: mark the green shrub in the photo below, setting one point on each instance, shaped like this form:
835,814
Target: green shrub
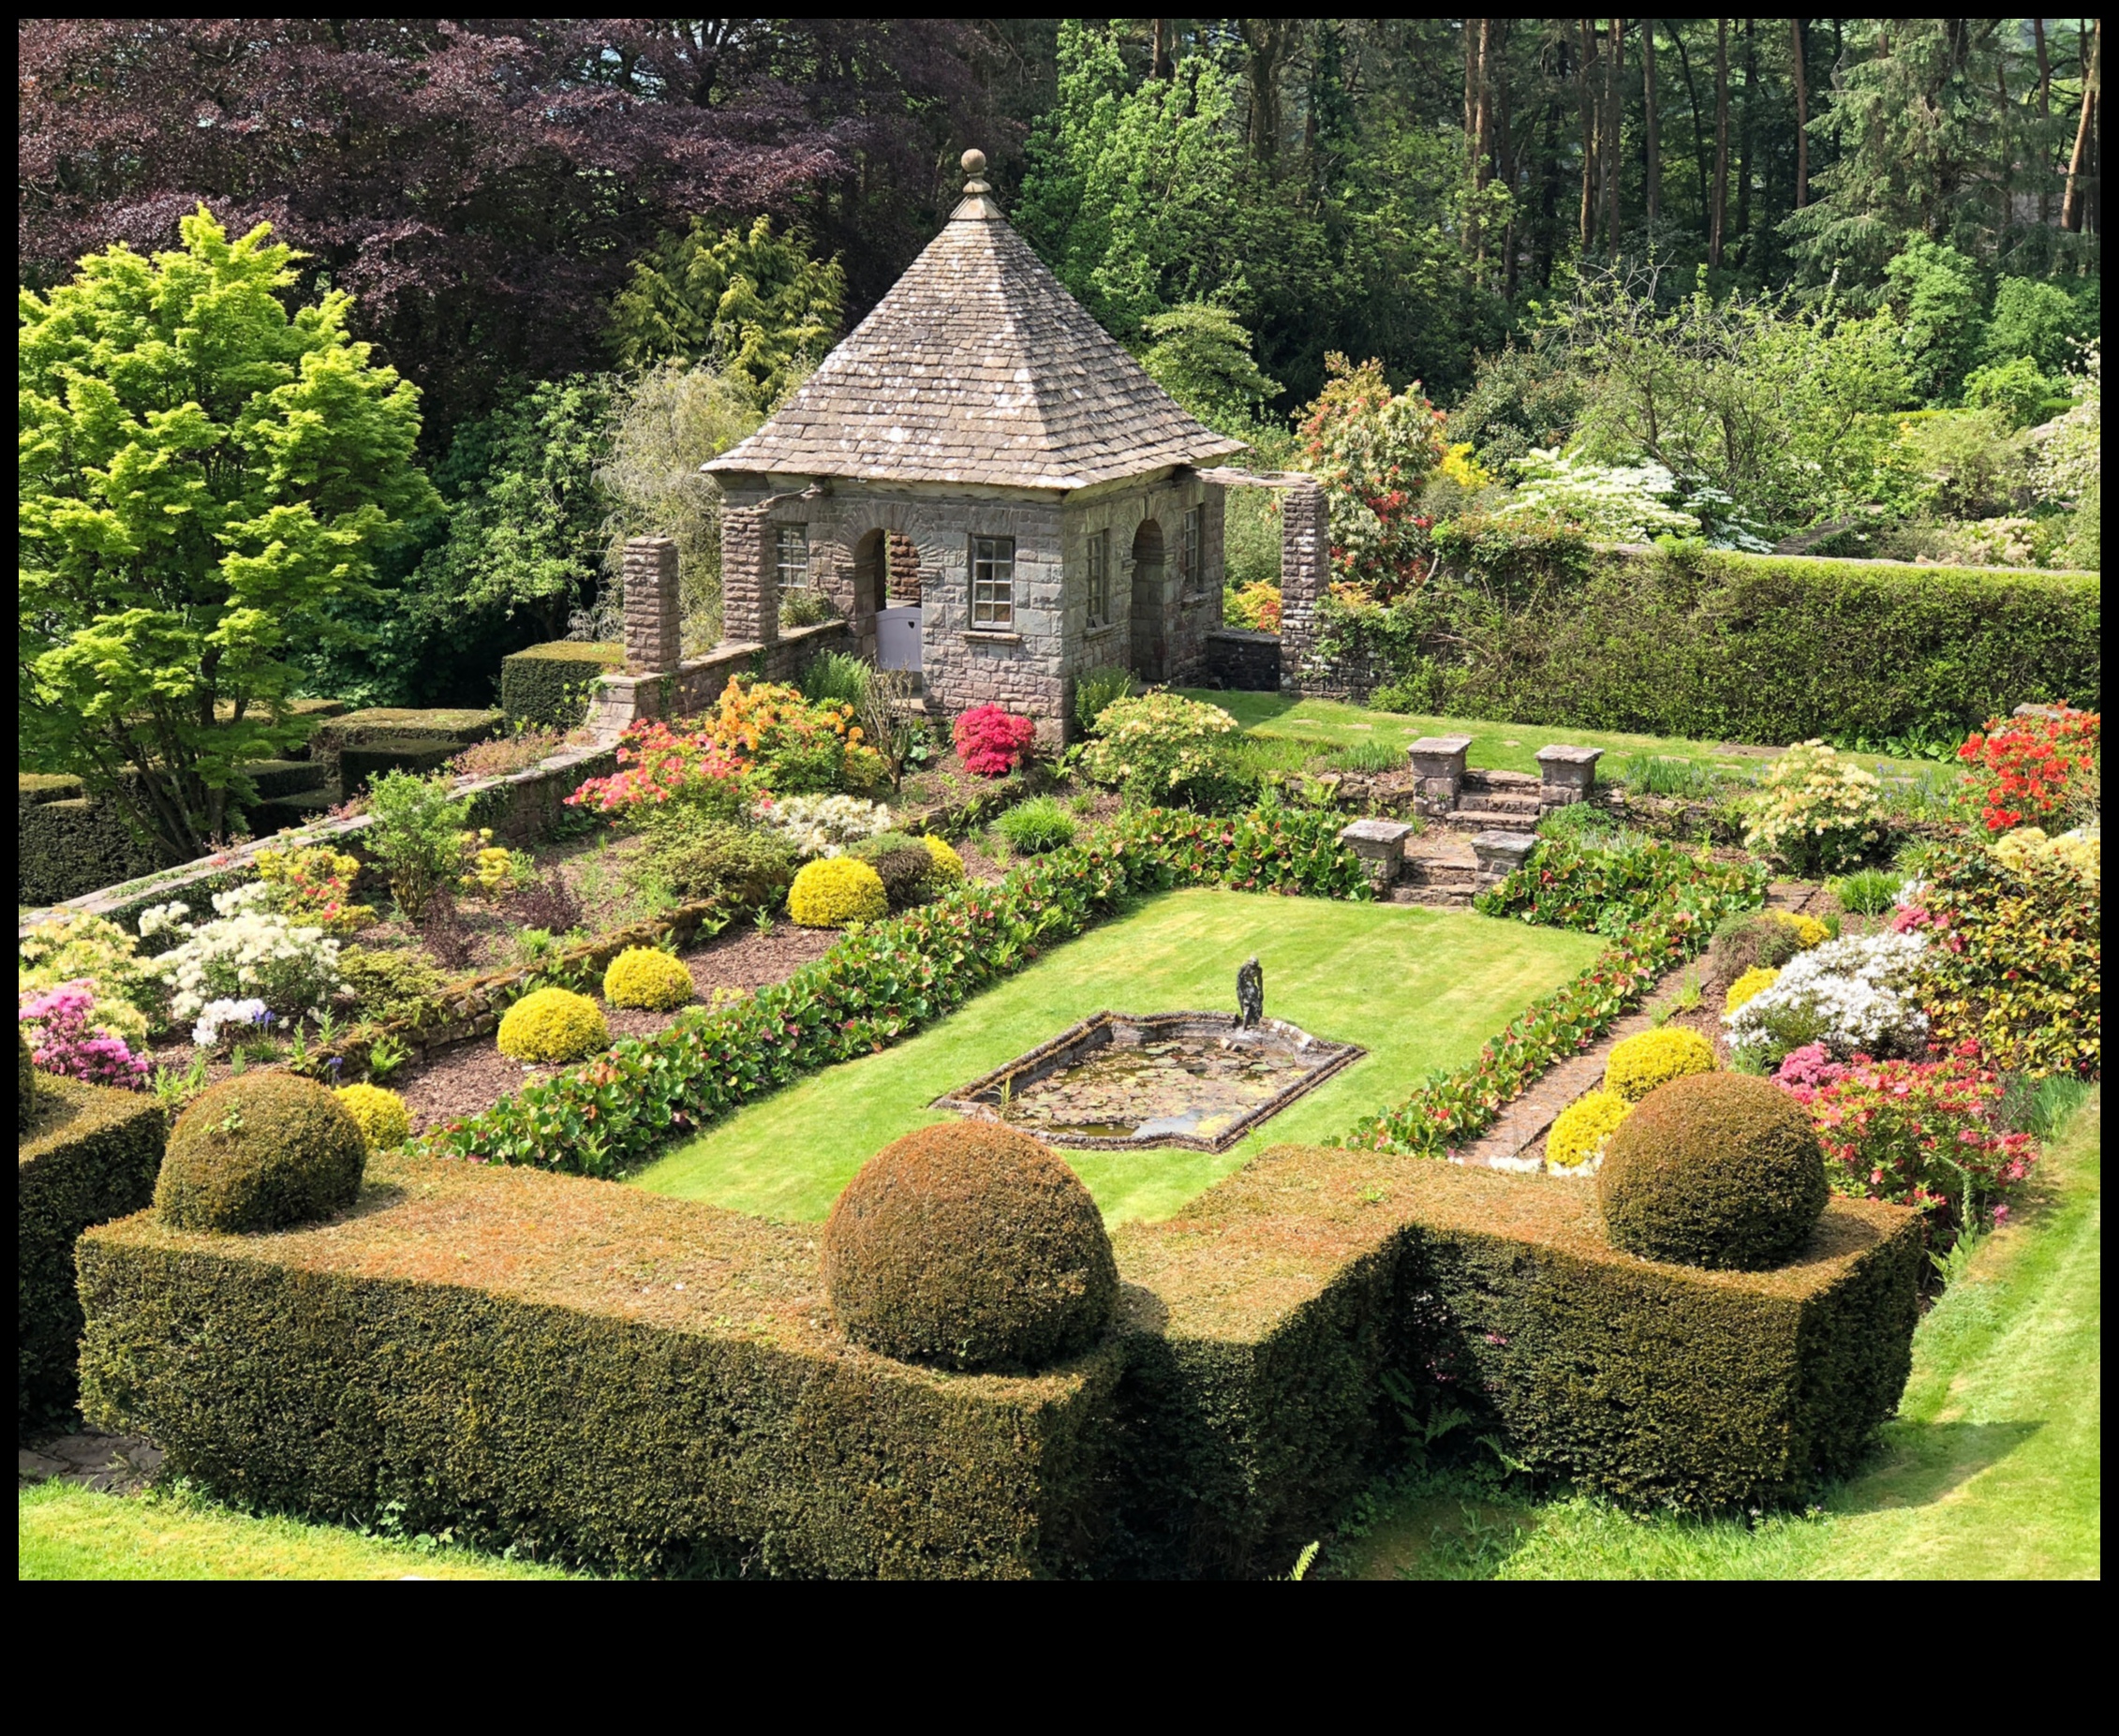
1095,689
259,1152
1649,1058
25,1084
1162,747
905,865
550,686
804,607
836,678
67,844
411,729
1868,893
89,1155
1755,941
832,890
702,858
552,1026
1036,827
1713,1169
416,833
972,1246
390,985
617,1419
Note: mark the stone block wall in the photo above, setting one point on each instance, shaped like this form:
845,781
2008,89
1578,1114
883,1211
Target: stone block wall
1243,661
1305,575
654,624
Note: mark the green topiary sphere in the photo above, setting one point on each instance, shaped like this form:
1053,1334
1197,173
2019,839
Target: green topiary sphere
972,1246
1714,1169
259,1152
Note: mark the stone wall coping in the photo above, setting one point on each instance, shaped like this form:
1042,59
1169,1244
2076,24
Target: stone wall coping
1243,635
1516,844
1571,756
1384,832
1441,744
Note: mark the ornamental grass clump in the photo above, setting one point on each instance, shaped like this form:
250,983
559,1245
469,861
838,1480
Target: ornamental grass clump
971,1246
380,1115
1815,810
1639,1063
551,1026
1857,996
834,891
1581,1132
1715,1169
259,1152
1036,827
647,978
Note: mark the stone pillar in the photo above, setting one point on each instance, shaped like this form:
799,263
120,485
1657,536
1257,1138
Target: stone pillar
1566,775
1381,846
1501,853
1306,571
654,630
1438,771
751,602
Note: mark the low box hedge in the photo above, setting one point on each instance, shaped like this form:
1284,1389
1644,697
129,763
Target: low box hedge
580,1370
67,843
613,1377
548,686
452,728
91,1154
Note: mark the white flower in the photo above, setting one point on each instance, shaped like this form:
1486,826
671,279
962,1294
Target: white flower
822,826
1858,991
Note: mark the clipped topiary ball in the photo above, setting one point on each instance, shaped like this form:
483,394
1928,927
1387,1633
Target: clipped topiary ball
259,1152
948,870
1716,1169
380,1115
1580,1130
1637,1065
647,977
553,1024
832,890
972,1246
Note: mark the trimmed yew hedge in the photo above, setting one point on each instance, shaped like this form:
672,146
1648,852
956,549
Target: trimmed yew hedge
548,686
91,1154
582,1371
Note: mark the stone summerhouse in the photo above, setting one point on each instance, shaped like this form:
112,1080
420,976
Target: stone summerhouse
985,486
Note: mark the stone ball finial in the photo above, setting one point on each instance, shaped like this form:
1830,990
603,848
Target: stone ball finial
974,163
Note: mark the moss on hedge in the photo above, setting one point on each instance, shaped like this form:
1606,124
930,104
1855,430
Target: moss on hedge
585,1369
548,685
91,1154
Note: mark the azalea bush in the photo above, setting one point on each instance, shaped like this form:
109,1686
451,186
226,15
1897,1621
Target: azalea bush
1161,747
65,1036
992,742
1373,451
822,826
316,885
2032,770
1920,1133
2016,958
660,762
1816,810
1857,996
247,951
128,993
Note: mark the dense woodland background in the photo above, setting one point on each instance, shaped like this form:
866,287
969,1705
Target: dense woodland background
1513,212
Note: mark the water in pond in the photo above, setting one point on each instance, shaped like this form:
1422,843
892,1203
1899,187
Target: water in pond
1157,1090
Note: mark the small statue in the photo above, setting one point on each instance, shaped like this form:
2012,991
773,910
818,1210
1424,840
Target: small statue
1251,994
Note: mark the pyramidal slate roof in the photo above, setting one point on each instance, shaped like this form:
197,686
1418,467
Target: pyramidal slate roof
978,367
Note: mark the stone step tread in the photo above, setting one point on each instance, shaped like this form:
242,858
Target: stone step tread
1478,779
1434,897
1499,819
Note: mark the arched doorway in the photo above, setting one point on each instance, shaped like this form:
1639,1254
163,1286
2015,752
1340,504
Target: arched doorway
871,585
1150,639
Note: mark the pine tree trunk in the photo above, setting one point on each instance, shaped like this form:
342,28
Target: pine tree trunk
1802,118
1585,87
1614,77
2074,204
1716,220
1653,142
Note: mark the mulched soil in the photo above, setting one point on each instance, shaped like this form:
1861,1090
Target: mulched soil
473,1076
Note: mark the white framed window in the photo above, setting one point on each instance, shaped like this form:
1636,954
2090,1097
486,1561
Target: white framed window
790,557
1100,578
993,583
1190,534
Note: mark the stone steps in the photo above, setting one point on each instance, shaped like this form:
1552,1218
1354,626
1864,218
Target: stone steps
1485,819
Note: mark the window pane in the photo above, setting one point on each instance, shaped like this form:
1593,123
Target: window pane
791,555
1099,578
993,582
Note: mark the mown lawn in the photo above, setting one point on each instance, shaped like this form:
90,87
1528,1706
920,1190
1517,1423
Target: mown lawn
1418,988
1991,1470
64,1532
1495,747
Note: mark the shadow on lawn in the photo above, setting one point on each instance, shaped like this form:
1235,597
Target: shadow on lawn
1922,1463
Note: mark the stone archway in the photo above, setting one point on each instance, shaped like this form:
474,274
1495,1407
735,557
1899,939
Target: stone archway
1148,612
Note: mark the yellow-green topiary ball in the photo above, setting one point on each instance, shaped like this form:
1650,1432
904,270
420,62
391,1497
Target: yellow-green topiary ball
1809,931
1753,982
948,866
553,1024
1582,1128
380,1115
1654,1058
647,977
832,890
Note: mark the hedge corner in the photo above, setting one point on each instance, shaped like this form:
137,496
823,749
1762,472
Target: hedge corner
583,1370
547,686
91,1154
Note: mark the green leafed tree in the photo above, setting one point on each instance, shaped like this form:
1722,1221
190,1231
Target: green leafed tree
747,302
1200,355
204,476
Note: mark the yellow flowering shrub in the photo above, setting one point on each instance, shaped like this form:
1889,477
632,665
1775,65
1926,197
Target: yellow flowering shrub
948,869
1809,931
2079,852
1759,977
1580,1130
1814,809
1637,1065
316,886
380,1115
832,890
1463,469
553,1024
96,948
490,868
647,977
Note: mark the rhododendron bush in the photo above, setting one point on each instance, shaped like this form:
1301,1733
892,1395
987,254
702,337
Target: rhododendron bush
60,1026
1919,1134
2029,770
992,742
1372,449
